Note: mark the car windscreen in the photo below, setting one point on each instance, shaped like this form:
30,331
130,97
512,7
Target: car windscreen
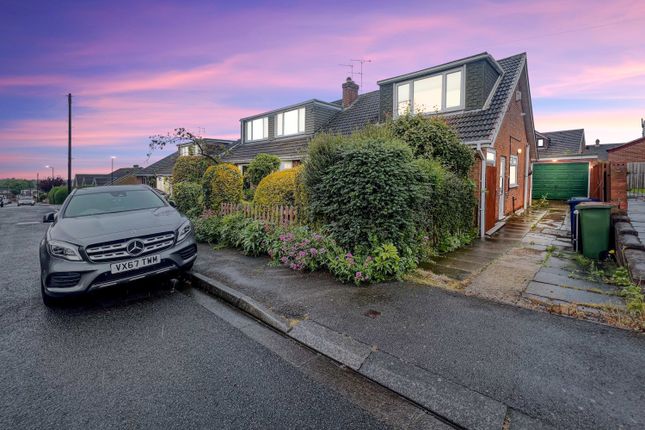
106,202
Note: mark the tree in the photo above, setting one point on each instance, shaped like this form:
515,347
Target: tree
16,185
179,136
49,183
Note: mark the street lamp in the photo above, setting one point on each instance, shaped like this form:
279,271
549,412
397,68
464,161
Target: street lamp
112,171
51,167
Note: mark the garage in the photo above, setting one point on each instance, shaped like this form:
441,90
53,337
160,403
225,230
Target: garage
560,181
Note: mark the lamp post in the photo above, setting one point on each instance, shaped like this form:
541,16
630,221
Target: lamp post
112,171
51,167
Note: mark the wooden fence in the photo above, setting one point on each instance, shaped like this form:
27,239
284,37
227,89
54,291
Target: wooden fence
279,215
636,179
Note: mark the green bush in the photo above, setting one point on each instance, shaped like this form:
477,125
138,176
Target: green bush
225,185
432,137
230,230
253,238
188,197
364,190
448,206
57,195
207,229
279,188
190,169
260,167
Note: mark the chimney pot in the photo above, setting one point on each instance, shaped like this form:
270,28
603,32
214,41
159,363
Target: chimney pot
597,142
350,92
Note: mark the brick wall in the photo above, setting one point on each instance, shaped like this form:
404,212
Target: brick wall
631,152
511,138
618,184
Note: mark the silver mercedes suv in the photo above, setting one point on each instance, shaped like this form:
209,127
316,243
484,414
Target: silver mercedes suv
110,235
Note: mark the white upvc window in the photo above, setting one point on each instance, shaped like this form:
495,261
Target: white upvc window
512,173
257,129
540,143
437,93
290,122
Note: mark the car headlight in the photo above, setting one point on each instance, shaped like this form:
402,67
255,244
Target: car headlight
64,250
184,231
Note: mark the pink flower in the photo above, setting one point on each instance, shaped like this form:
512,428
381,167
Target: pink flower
313,252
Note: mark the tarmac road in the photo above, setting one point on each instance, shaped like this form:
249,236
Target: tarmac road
152,356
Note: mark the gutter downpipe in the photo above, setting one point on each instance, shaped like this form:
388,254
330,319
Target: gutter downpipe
482,195
527,197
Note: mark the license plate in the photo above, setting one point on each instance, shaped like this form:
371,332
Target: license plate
135,264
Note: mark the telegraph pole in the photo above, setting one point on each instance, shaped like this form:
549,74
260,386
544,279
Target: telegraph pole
69,143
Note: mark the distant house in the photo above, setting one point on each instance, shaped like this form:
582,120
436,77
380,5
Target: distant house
159,173
122,176
487,101
630,152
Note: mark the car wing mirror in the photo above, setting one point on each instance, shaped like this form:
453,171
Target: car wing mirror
50,217
172,203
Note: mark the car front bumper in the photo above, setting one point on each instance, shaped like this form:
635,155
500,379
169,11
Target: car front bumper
61,277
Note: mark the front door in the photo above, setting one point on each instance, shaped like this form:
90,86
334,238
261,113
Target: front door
500,187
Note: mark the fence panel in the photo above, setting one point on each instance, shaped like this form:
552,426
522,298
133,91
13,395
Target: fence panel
636,180
279,215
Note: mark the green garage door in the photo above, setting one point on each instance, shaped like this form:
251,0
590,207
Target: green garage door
560,181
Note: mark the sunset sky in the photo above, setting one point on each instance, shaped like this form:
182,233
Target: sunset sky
139,68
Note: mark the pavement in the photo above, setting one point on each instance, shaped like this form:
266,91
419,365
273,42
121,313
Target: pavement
152,356
476,363
636,212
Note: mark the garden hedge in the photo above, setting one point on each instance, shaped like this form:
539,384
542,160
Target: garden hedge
260,167
188,197
279,188
225,185
57,195
365,190
190,169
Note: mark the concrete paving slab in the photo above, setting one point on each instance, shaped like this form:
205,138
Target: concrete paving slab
455,402
564,280
571,295
341,348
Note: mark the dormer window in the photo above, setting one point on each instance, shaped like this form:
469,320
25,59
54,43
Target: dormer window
290,122
189,150
437,93
257,129
540,143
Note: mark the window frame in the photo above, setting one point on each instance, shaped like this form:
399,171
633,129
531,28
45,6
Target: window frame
540,142
444,109
280,118
491,157
248,132
513,162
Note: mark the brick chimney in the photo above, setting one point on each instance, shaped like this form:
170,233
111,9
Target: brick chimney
350,92
597,142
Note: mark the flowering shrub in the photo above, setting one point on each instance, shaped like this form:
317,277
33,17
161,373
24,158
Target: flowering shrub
299,249
381,264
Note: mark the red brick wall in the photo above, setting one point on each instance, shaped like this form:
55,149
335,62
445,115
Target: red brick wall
631,152
618,184
507,144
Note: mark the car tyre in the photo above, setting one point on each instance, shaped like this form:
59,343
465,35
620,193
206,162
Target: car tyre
49,301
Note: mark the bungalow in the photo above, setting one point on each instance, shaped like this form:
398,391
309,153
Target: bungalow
122,176
158,174
487,101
